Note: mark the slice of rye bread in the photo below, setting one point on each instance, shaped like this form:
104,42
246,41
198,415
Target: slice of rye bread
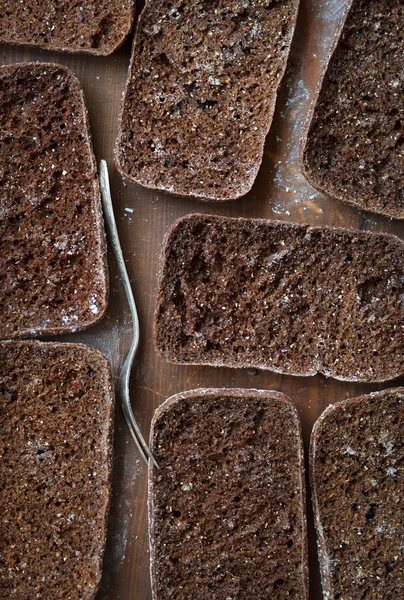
56,445
354,150
201,94
357,474
53,268
89,26
290,298
227,505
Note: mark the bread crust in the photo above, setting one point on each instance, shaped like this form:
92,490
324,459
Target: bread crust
95,356
323,554
316,368
5,37
198,189
100,259
358,202
312,108
176,399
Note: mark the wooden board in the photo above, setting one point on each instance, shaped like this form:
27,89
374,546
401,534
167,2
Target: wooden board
143,217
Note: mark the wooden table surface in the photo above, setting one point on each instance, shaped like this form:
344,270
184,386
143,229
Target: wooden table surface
143,217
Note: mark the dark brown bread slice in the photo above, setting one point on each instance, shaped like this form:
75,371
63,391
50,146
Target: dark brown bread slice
56,425
201,94
53,273
357,458
280,296
90,26
227,505
354,149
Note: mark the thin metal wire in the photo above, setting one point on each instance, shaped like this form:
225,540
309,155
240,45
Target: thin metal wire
123,380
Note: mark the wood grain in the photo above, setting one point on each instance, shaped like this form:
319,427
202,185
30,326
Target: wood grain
279,192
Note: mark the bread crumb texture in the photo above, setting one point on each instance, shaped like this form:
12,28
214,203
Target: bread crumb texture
358,482
228,518
55,446
280,296
355,147
92,26
52,265
201,94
